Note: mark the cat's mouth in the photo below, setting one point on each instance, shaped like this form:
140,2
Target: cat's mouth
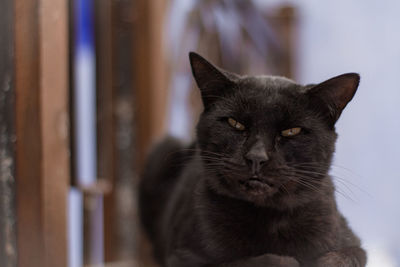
257,185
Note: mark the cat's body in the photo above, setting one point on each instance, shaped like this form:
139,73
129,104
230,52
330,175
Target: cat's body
248,194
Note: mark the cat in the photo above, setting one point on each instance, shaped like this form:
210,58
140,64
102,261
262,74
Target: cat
253,189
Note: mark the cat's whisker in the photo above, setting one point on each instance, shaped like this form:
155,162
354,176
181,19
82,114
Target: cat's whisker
305,184
303,176
334,168
349,183
195,150
342,183
190,157
286,190
323,182
345,182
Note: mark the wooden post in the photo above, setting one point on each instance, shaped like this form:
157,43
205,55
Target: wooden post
150,87
8,250
114,64
149,73
42,167
105,77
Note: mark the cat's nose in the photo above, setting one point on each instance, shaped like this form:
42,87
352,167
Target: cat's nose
256,157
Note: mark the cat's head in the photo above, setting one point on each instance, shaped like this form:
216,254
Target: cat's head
266,139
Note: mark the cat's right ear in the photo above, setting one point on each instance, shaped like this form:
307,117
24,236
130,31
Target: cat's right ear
212,82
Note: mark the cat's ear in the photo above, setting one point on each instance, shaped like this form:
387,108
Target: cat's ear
213,82
332,96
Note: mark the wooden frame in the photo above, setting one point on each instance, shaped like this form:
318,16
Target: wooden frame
42,149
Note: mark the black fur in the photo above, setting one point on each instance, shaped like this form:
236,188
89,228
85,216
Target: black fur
251,197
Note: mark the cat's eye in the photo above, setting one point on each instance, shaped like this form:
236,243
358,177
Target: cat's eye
291,131
235,124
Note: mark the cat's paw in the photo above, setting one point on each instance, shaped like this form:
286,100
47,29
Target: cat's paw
271,260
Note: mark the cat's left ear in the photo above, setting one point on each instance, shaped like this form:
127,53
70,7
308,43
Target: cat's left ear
213,82
332,96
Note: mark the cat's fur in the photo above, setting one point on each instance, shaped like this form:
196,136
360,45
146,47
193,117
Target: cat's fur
251,197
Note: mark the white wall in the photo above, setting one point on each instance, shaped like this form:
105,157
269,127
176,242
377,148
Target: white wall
361,36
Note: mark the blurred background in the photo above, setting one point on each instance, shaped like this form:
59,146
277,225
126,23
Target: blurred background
87,86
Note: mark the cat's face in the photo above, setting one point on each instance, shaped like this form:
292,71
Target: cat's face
266,139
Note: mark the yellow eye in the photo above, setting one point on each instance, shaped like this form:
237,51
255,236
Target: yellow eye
235,124
291,131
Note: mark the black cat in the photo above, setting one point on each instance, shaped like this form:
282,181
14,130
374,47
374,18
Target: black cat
253,189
